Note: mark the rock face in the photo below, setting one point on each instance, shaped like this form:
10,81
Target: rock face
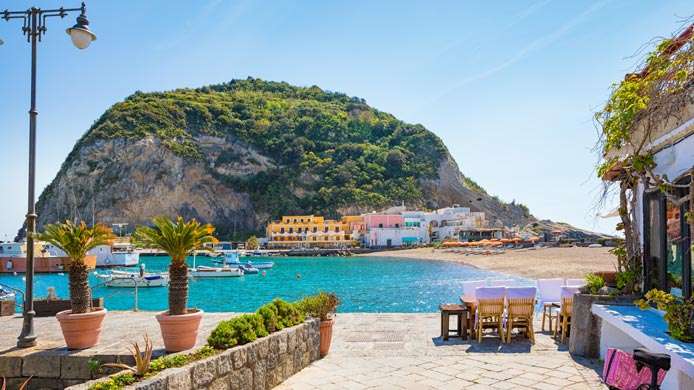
242,153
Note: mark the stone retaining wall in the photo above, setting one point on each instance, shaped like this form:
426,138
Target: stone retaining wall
262,364
584,339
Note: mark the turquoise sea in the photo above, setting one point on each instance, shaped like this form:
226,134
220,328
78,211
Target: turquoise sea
364,284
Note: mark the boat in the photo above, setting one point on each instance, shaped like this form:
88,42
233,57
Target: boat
247,269
118,255
215,272
232,260
117,278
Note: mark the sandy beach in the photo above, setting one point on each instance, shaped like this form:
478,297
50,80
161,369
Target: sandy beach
532,263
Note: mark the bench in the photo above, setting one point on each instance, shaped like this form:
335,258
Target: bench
628,327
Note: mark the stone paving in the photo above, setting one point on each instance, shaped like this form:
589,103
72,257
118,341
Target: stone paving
404,351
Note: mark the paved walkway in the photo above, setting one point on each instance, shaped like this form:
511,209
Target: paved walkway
403,351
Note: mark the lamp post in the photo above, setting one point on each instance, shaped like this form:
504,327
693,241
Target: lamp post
34,27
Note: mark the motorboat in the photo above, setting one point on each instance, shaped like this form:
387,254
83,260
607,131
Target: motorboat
216,272
118,278
232,260
247,269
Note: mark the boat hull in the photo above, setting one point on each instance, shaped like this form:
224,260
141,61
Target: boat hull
216,273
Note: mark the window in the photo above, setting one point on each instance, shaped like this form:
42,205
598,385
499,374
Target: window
315,229
291,230
281,230
667,253
397,225
325,230
380,225
337,229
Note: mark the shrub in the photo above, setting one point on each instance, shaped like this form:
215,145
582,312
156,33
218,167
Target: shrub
237,331
270,319
115,383
288,314
321,305
594,283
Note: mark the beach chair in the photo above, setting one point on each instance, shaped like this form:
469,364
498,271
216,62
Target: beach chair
490,310
565,307
520,311
501,283
575,282
550,294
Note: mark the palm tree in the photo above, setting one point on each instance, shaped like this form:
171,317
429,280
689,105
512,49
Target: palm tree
76,240
177,239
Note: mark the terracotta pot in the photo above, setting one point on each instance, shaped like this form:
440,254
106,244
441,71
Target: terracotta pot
179,332
326,336
82,330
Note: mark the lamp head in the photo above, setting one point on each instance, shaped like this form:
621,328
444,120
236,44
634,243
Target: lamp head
80,33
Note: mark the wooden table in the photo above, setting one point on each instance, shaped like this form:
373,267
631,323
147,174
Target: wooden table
461,311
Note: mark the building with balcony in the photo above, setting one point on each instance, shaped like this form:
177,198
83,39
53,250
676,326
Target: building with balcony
311,231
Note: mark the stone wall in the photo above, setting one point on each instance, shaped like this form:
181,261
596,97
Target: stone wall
584,339
260,365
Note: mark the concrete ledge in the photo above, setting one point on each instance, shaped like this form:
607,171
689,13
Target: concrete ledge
262,364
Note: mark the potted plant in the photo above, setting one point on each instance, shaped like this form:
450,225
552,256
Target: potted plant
679,313
179,325
322,306
81,325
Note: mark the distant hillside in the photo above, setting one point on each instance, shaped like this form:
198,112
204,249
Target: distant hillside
240,153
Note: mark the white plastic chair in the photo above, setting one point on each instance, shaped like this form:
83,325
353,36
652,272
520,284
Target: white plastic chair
575,282
550,293
501,283
469,288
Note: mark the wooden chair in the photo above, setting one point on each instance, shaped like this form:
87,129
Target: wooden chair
565,308
490,310
521,311
550,295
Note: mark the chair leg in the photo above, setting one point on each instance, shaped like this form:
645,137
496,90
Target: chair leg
564,326
479,330
556,328
501,329
531,331
544,314
509,328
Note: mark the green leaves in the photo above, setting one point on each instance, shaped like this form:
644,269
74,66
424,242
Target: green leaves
177,238
76,239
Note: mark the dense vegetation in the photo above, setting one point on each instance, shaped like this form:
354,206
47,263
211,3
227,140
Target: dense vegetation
335,148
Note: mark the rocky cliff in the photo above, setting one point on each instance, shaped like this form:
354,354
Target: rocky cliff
241,153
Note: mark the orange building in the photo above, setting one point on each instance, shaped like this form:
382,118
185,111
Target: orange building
304,231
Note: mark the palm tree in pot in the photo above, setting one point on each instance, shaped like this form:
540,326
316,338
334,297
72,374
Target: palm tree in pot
179,325
81,326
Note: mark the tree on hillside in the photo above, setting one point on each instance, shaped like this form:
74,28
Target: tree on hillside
252,242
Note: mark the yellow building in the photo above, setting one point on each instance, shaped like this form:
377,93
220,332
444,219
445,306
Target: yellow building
303,231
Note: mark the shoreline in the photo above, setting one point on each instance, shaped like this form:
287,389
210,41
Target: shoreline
573,262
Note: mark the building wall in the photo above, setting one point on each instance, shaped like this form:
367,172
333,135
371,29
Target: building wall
309,231
383,221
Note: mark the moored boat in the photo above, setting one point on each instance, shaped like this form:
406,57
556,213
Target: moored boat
117,278
215,272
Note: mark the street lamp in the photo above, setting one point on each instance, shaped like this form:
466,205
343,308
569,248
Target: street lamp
34,26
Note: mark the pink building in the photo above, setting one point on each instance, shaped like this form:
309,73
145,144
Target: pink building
375,221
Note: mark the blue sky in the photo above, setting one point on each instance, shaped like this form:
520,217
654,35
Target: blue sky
509,86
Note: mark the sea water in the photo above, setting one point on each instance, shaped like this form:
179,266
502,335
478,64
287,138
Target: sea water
364,284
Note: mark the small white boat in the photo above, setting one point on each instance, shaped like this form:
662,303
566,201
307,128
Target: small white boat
118,278
215,272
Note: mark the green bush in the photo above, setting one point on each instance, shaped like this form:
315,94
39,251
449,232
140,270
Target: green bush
594,283
288,314
270,318
116,382
321,305
237,331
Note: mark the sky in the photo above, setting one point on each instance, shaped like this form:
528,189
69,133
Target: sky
510,86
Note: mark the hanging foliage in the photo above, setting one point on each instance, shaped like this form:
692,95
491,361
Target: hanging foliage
635,109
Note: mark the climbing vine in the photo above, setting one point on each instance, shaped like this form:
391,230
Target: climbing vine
634,110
